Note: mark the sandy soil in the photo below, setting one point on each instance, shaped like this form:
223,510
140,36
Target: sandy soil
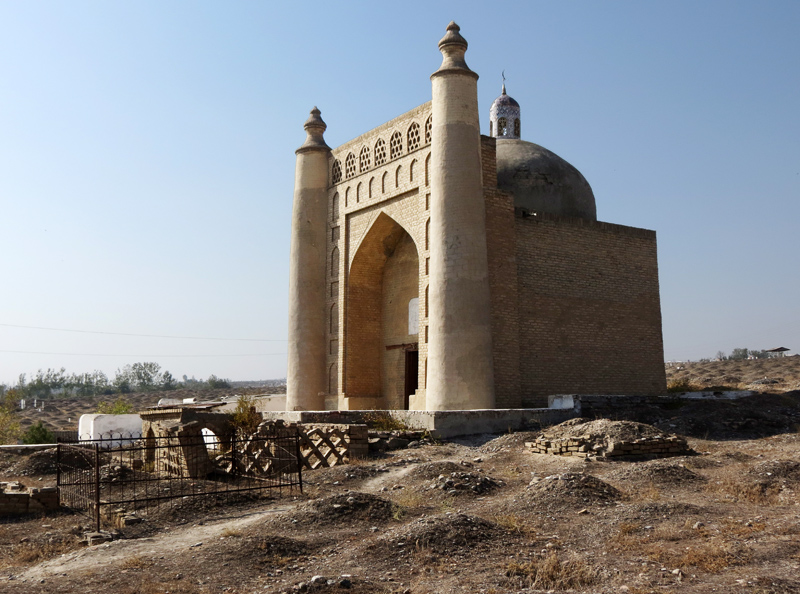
724,520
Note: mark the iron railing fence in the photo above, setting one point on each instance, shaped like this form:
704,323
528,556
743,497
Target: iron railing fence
136,472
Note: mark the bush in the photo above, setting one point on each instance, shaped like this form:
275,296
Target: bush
38,433
215,382
9,426
245,417
119,407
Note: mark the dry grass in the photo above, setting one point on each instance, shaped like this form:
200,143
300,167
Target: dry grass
231,533
552,573
735,490
712,556
411,498
136,562
30,553
514,523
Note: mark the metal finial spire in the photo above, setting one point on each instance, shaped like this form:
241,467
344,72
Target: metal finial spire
504,82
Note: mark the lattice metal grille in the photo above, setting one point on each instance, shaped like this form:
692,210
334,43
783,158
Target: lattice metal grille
336,172
428,129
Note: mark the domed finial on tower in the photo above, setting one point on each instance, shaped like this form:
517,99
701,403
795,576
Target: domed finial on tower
504,115
453,47
315,127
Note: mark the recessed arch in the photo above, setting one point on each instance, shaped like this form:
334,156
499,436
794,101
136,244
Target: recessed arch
335,207
383,279
411,168
383,181
397,173
335,263
428,170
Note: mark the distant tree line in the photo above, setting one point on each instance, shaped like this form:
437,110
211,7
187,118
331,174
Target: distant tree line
139,377
740,354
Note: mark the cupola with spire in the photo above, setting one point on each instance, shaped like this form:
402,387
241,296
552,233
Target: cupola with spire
504,116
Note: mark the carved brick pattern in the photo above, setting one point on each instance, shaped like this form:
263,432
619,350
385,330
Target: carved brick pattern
396,145
364,160
380,152
413,137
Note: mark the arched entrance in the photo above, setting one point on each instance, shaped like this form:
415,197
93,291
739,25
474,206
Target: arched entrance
382,318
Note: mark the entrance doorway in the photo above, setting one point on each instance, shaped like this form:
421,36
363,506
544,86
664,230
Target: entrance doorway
412,376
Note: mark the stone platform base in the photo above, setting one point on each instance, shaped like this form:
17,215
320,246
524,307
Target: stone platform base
442,424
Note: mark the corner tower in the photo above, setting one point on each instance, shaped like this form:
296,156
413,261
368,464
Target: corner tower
460,365
305,376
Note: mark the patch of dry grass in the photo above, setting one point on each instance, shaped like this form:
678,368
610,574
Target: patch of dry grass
137,562
734,490
551,572
514,523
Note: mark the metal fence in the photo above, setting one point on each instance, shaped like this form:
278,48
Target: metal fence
135,473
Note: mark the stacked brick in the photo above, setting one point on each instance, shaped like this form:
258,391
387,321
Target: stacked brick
660,447
16,499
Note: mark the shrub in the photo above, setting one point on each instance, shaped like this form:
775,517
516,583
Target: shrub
245,417
9,427
119,407
38,433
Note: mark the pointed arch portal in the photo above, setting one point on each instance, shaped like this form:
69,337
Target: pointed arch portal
383,280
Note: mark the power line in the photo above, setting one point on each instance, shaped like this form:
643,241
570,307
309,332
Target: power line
143,335
137,356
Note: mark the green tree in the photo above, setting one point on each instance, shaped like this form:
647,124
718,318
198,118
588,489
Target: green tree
168,382
738,354
217,382
38,433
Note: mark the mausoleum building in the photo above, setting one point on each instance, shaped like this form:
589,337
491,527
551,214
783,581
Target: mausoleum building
433,268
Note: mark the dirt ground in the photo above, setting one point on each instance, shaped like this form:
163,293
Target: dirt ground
478,514
779,374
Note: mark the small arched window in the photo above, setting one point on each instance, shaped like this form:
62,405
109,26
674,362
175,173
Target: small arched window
350,166
428,234
335,207
333,379
334,319
372,179
396,145
411,170
380,152
336,172
516,127
413,137
383,182
334,263
413,316
429,129
397,176
428,170
502,127
364,160
358,193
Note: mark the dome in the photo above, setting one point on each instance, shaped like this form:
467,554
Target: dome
542,181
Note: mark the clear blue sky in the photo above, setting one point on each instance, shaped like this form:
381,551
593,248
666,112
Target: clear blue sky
147,157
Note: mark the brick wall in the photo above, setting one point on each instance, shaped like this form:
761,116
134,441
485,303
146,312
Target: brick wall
16,499
359,364
502,254
589,309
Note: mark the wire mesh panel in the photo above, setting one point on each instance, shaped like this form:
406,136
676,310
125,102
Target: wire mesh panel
136,472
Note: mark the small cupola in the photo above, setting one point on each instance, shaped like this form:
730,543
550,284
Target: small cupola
504,117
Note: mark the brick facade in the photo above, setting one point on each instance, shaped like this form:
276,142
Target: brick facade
574,303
